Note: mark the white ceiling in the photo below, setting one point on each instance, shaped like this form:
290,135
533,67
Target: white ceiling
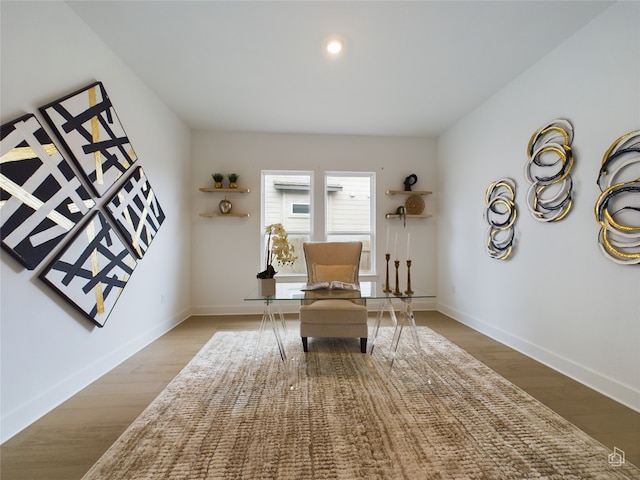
409,68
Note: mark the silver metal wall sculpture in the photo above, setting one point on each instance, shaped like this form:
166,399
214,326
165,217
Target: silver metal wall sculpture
500,213
617,209
41,197
548,170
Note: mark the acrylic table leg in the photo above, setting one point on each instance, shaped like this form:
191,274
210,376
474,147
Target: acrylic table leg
282,321
392,313
395,340
263,323
384,304
412,323
376,328
407,316
268,317
274,327
290,379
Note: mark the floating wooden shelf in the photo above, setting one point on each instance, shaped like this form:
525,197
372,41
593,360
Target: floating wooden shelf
397,215
408,192
224,190
237,215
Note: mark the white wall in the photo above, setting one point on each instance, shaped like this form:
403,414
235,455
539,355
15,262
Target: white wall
49,351
557,299
226,251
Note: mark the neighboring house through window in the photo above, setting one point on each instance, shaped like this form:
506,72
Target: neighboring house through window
286,199
350,212
347,206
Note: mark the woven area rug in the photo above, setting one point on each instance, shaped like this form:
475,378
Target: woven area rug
335,413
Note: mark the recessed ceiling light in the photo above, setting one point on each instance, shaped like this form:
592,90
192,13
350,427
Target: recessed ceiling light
334,46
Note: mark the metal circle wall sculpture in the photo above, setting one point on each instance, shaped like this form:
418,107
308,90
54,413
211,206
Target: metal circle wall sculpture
617,209
548,170
500,213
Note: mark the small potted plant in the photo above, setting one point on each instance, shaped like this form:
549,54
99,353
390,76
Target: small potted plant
217,178
233,178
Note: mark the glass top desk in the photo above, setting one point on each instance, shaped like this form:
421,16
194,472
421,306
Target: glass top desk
289,291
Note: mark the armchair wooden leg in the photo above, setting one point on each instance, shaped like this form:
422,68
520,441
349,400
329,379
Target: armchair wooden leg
305,345
363,345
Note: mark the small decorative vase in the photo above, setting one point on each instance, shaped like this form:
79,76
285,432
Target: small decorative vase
217,180
233,180
225,206
266,287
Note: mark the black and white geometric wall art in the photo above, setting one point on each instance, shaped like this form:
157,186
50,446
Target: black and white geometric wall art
136,212
88,127
92,269
41,198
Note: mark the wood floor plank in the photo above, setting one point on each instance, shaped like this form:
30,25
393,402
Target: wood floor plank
66,442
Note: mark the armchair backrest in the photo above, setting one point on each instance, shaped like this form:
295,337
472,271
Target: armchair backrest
328,261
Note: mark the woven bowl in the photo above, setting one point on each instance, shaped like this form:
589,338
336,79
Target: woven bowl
414,205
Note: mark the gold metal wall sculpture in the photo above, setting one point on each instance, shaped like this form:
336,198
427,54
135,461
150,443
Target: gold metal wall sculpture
548,170
500,213
617,209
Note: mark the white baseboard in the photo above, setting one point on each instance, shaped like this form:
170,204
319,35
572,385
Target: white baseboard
609,387
19,418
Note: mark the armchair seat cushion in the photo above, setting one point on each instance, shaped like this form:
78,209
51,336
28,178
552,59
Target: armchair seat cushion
333,312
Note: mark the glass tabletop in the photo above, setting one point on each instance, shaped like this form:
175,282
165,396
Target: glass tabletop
368,290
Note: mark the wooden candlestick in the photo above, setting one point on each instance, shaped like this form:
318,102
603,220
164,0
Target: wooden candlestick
408,291
387,287
397,290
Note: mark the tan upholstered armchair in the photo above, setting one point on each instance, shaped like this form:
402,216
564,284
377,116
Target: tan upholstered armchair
333,317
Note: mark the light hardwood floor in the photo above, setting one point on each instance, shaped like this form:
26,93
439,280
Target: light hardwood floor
65,443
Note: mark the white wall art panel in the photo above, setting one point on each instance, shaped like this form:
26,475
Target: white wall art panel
92,270
41,197
88,126
137,212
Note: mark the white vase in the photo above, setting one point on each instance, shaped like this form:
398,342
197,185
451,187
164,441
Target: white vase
266,287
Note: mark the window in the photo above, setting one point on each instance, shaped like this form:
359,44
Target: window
347,212
350,212
286,199
300,208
